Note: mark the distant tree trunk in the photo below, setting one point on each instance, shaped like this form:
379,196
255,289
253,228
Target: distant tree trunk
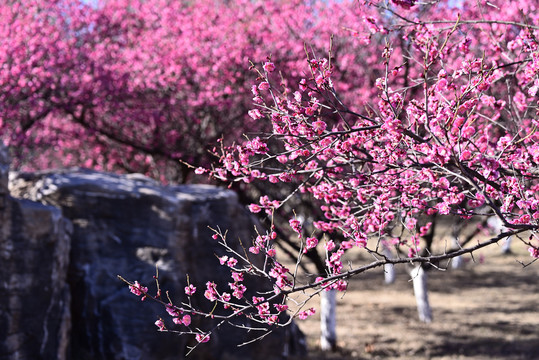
497,227
506,245
389,269
457,261
328,320
419,279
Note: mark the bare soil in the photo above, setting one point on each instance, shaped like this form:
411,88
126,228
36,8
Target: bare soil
489,309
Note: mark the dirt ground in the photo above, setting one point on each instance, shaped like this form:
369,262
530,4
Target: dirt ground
489,309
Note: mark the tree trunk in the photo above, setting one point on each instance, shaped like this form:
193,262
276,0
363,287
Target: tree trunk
419,279
497,227
506,245
457,261
389,269
328,320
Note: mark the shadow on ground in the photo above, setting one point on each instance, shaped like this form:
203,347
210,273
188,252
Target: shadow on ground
486,310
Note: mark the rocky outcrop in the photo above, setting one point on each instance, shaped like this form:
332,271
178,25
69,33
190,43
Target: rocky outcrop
34,256
126,225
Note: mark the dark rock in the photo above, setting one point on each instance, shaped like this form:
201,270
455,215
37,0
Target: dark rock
34,256
126,225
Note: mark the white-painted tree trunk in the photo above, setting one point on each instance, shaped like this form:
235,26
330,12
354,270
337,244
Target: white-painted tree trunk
498,227
419,279
328,320
506,245
389,269
457,261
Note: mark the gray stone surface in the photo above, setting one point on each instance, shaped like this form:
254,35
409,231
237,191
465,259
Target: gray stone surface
126,225
34,257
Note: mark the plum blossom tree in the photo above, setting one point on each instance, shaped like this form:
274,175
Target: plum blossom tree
413,111
451,131
115,85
